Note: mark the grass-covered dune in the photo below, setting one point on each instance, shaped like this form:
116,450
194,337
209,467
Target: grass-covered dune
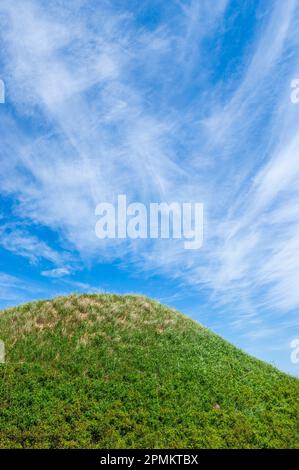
126,372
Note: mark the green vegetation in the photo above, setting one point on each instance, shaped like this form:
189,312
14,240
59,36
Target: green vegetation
113,371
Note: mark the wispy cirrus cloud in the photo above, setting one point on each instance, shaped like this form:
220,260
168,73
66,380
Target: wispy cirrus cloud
10,286
56,273
160,112
18,241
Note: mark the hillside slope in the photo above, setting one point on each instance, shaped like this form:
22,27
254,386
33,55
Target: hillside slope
125,372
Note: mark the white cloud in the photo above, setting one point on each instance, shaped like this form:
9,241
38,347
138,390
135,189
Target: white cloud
56,273
22,243
104,134
12,288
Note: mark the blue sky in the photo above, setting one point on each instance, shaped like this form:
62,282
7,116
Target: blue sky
184,100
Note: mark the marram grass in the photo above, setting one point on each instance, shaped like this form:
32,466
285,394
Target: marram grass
107,371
